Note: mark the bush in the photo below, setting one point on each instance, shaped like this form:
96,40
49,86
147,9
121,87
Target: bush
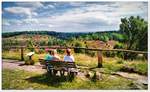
90,53
119,62
109,54
119,46
78,44
60,51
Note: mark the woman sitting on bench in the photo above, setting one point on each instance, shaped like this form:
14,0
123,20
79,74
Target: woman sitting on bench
55,55
48,56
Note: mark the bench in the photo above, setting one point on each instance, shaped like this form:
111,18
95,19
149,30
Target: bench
62,66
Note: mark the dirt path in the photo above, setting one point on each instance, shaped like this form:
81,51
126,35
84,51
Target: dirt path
134,76
15,64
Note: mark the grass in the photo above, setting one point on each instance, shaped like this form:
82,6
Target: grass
17,79
11,55
109,64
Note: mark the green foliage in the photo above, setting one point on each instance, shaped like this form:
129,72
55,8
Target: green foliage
109,54
140,67
119,37
104,38
135,28
60,51
30,45
119,45
90,53
78,44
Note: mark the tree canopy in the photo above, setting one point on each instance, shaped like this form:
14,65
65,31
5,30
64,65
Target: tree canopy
135,28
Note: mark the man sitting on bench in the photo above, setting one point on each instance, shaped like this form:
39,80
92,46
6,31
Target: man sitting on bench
68,57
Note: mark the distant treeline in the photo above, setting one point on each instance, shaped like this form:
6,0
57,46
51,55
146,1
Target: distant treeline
60,35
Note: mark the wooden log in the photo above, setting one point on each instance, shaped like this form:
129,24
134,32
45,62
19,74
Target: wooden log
100,59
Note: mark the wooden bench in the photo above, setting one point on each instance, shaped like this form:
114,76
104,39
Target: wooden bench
62,66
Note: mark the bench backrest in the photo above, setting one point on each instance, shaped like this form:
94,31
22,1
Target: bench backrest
62,64
71,65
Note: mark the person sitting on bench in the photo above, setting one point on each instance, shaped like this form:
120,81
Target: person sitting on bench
55,59
68,57
55,55
48,56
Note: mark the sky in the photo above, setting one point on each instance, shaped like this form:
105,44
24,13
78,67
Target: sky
69,16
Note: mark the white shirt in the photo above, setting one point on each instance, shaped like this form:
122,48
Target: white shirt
69,58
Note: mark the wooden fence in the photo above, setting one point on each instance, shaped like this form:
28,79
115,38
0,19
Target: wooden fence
99,51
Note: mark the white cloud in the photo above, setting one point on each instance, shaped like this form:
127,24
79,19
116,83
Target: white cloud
77,4
30,21
84,17
50,25
5,22
30,4
20,11
50,6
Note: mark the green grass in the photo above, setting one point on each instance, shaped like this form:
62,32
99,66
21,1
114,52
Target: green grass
140,66
11,55
18,79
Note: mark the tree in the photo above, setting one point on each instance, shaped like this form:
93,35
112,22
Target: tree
135,28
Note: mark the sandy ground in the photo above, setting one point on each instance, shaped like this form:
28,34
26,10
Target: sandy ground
15,64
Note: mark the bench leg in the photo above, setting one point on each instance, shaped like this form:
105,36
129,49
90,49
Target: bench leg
62,73
71,76
55,72
49,70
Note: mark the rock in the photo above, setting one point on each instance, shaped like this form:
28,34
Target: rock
112,77
37,63
128,69
97,76
144,82
88,74
30,88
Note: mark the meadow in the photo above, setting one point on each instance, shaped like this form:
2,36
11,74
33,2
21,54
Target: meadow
110,64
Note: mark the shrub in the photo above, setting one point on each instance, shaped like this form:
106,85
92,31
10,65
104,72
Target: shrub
109,54
90,53
60,51
119,45
78,44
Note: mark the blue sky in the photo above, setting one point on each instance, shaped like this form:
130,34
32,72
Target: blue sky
68,16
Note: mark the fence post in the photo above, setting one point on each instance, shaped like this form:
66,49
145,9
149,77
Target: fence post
22,58
100,59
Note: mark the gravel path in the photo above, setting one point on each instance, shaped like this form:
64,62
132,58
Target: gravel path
15,64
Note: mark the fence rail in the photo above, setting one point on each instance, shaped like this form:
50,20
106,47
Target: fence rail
93,49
